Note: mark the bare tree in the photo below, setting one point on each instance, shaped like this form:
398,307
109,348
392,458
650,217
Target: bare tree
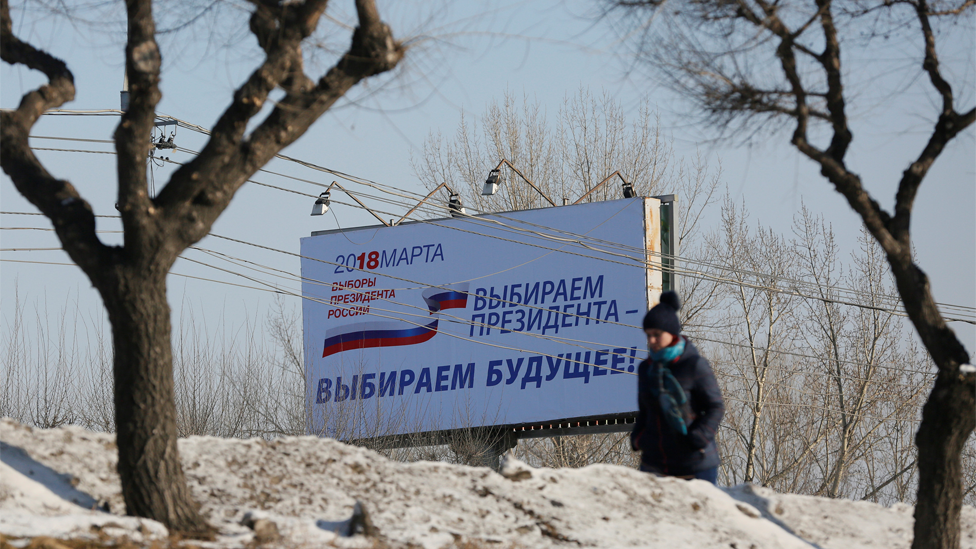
96,386
747,62
822,386
579,450
852,345
40,368
590,139
763,313
131,278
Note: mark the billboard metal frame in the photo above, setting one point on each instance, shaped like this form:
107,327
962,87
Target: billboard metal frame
663,216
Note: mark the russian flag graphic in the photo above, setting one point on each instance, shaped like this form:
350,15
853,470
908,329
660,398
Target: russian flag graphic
439,300
365,335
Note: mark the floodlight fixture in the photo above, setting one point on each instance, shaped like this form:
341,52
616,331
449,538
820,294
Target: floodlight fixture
321,204
491,184
629,190
453,204
455,207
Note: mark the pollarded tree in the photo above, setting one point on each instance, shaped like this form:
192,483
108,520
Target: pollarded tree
746,63
131,278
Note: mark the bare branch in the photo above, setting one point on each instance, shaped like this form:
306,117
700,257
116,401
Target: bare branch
132,136
61,83
72,216
931,62
948,125
196,193
954,11
830,60
830,160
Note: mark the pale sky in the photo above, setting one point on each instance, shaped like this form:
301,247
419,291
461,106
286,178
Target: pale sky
460,59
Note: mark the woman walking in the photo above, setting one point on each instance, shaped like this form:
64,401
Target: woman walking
680,402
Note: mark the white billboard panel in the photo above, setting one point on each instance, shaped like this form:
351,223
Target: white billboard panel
517,318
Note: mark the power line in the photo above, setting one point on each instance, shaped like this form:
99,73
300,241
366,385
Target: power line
612,261
398,192
172,273
291,276
247,264
31,249
458,320
717,372
683,259
581,317
530,306
424,311
75,139
764,403
39,213
71,150
677,270
502,300
352,178
452,319
456,336
577,240
45,229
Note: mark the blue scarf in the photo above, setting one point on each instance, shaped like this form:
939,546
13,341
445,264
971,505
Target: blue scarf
669,392
669,353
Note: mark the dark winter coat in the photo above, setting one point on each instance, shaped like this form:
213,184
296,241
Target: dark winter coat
663,448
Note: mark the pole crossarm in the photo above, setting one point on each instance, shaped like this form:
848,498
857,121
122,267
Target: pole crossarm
350,195
505,162
602,183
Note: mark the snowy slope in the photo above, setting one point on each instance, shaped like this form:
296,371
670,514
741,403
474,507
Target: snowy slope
56,483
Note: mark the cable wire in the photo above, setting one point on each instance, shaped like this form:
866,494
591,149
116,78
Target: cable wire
676,270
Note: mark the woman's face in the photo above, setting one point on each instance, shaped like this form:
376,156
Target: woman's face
658,339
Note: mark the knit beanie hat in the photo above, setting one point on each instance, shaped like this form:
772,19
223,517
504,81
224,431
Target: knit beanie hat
664,315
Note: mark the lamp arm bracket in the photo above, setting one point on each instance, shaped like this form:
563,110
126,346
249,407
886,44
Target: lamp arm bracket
526,179
602,183
422,200
358,201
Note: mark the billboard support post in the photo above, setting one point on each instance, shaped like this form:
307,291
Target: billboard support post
653,251
670,240
483,446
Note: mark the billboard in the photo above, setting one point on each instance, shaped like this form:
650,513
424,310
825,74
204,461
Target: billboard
508,319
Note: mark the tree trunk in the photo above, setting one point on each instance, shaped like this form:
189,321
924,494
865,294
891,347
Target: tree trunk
947,420
153,484
753,435
841,465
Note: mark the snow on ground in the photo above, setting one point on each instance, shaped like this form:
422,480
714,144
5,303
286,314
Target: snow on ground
299,491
